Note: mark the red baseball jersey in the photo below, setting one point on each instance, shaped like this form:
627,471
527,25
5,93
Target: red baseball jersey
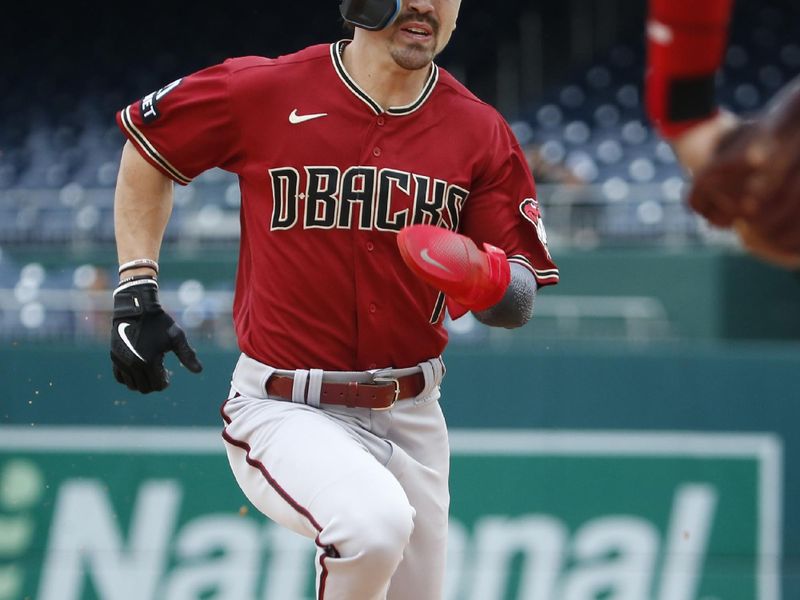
327,179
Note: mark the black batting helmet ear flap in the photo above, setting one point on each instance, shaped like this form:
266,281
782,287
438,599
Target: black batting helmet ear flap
370,14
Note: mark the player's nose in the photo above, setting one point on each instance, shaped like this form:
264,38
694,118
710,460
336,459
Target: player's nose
420,6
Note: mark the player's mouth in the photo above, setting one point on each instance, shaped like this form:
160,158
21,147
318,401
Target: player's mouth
417,30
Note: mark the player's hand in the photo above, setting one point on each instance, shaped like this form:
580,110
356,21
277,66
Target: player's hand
752,181
472,279
142,333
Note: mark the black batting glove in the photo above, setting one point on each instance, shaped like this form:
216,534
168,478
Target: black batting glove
142,333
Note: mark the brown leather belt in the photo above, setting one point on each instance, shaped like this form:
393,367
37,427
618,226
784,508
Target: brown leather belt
379,394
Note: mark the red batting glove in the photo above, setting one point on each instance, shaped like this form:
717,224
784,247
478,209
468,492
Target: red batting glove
472,279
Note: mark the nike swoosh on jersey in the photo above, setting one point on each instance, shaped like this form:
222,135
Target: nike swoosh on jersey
432,261
121,331
294,118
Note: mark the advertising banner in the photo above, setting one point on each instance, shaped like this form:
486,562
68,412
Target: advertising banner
123,513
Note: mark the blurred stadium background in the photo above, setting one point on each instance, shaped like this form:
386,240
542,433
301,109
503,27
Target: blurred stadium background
643,427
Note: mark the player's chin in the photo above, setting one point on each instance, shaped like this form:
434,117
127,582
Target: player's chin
413,57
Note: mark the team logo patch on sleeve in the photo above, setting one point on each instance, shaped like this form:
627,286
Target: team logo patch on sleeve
529,208
148,107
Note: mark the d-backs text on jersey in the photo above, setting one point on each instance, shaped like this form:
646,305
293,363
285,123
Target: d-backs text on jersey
324,197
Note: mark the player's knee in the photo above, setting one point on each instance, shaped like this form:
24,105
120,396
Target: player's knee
383,546
380,535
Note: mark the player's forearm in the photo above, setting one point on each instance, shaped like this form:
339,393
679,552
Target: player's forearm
515,308
142,207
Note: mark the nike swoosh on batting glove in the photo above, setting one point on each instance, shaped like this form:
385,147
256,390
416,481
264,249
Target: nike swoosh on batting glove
141,334
471,278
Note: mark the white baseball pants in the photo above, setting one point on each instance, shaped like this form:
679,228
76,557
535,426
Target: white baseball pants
369,487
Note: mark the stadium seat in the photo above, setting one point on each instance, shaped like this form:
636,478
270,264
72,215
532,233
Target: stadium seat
63,140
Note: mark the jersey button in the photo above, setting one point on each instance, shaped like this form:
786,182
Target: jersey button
370,246
376,151
372,307
381,121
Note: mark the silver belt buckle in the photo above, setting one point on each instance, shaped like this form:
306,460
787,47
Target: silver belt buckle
394,380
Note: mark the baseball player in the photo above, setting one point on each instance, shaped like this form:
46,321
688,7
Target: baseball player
377,193
746,172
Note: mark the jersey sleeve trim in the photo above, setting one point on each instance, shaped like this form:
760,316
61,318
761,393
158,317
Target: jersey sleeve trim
148,149
543,276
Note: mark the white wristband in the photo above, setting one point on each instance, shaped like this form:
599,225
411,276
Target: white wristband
139,262
124,285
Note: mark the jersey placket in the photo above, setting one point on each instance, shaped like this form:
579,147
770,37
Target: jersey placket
373,309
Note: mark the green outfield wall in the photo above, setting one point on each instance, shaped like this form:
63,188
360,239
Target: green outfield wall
707,294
